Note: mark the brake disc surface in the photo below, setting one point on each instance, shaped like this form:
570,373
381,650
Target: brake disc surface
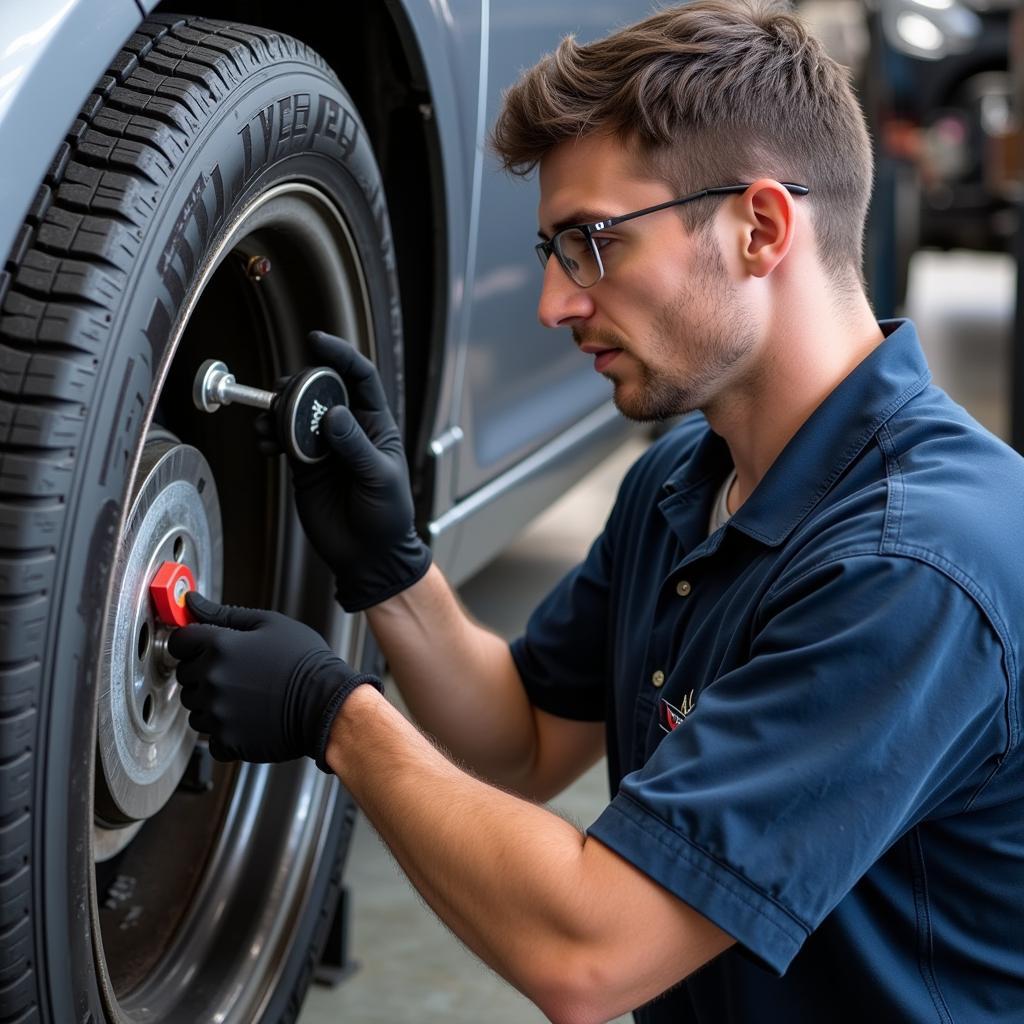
143,734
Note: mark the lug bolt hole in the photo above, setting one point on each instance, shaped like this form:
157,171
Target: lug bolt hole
179,548
143,641
147,709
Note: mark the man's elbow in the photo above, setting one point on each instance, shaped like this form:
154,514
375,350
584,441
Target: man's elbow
576,989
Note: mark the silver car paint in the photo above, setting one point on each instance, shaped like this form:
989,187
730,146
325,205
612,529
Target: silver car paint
38,106
523,383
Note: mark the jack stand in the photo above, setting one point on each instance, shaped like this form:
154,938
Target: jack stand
335,965
198,777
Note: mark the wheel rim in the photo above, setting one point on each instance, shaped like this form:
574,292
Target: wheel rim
179,935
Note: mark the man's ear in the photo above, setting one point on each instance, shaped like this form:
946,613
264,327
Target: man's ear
766,224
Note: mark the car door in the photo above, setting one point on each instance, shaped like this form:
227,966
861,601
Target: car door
520,384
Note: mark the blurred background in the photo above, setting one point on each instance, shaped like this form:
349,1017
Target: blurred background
942,85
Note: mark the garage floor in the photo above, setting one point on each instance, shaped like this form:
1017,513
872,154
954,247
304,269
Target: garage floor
412,971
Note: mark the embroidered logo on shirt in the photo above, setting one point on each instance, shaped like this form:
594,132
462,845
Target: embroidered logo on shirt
670,717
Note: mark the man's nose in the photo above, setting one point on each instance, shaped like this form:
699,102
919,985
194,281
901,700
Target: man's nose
563,303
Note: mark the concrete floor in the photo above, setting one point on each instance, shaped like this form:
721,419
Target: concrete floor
412,969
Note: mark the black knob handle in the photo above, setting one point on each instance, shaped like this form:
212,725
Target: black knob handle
300,407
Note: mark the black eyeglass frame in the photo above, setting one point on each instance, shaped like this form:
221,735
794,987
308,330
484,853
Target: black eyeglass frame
544,249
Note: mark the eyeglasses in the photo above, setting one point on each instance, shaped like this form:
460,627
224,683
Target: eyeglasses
577,250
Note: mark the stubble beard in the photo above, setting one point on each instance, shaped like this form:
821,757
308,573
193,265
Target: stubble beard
711,349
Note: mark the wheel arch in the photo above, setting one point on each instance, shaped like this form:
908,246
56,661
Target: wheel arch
378,60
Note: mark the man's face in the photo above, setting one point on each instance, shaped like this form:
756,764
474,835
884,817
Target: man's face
666,324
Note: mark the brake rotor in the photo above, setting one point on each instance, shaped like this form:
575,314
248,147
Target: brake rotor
143,735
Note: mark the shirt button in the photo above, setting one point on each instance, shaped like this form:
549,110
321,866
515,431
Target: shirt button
658,678
683,588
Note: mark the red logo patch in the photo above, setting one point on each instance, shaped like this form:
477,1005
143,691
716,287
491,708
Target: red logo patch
670,717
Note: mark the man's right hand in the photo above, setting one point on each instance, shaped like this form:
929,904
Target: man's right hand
356,505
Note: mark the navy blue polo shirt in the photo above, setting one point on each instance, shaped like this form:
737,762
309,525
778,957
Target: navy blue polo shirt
813,715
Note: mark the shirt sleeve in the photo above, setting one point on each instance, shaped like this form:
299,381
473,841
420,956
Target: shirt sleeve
874,693
562,657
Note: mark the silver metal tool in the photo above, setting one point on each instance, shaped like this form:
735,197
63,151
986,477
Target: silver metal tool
298,407
215,386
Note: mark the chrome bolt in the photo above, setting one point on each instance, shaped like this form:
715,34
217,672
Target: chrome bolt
215,386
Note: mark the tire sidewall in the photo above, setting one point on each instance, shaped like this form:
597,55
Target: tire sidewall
323,142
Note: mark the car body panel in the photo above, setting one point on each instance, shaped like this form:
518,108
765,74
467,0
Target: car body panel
522,384
37,106
447,35
467,537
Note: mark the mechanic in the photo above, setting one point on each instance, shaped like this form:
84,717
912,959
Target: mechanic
798,638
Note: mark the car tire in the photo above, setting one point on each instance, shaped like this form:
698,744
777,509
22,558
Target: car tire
216,198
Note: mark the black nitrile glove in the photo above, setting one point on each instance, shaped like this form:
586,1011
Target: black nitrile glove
265,687
356,505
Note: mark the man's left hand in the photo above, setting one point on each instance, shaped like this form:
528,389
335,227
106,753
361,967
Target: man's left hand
263,686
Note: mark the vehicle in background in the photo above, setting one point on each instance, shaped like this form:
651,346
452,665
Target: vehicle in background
213,179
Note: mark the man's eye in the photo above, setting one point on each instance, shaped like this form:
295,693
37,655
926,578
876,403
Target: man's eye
602,242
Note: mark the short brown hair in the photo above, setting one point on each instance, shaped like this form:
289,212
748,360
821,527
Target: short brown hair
710,93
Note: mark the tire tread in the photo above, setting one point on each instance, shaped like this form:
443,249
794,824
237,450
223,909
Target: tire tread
60,288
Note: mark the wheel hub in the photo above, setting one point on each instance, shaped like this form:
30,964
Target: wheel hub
143,734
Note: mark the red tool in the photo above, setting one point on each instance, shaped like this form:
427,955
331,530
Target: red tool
168,589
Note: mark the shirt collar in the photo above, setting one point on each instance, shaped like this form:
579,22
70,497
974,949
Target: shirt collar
828,441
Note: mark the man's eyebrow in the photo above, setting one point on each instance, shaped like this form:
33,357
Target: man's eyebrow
574,218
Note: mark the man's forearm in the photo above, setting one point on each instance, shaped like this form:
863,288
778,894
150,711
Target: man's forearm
494,867
555,913
451,672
